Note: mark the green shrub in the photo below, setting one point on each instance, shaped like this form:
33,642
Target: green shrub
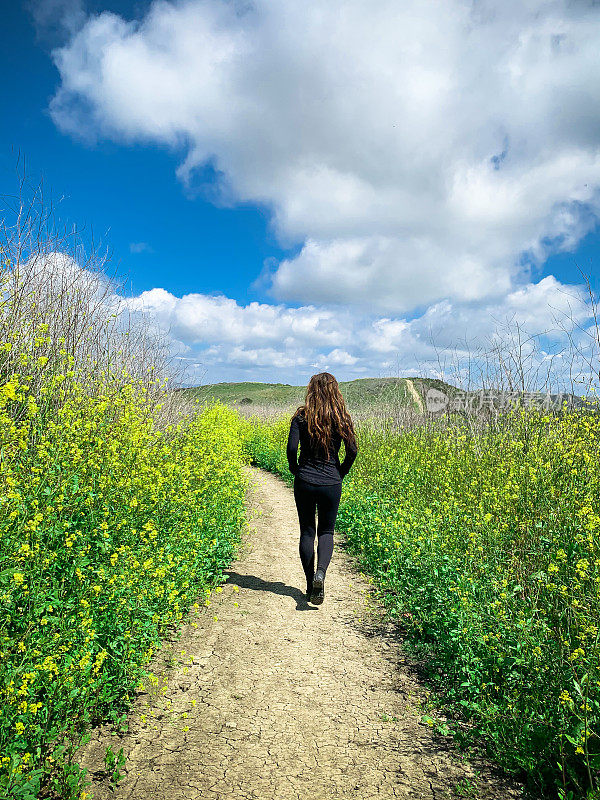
110,527
487,547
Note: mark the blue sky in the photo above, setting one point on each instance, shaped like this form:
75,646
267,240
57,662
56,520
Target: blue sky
126,195
283,200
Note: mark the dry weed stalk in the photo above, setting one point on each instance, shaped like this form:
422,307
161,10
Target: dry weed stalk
57,299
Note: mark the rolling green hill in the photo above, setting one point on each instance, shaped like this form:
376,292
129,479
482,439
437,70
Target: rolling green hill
361,393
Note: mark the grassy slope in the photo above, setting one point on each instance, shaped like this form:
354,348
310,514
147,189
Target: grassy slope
360,393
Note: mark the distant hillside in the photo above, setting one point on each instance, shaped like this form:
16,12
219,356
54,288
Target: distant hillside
358,394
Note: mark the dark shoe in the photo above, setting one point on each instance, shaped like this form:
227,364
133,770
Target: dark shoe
318,588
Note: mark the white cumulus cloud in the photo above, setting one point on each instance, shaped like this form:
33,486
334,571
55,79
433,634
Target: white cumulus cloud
419,152
226,340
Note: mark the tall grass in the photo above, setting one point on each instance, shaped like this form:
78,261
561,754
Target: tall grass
117,510
485,545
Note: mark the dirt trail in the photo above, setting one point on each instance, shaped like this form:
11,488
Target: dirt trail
415,395
271,698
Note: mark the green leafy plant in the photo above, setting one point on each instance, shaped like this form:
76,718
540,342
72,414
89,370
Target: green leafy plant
111,529
114,762
465,788
485,546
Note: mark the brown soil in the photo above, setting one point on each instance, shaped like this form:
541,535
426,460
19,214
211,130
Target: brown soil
415,395
265,696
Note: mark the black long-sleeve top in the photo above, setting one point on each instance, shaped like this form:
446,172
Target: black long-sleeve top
311,466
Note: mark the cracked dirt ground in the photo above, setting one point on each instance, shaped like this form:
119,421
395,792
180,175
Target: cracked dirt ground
266,696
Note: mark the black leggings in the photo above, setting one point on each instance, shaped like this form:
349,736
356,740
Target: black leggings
326,500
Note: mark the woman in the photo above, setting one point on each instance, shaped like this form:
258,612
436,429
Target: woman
320,425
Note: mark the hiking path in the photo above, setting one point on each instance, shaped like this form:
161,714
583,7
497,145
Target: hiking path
264,696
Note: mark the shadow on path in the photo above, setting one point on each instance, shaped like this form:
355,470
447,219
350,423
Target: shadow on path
276,587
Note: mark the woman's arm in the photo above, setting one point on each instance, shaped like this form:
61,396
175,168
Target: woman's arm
292,446
351,451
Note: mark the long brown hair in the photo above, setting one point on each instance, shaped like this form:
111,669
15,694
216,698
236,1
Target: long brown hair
325,410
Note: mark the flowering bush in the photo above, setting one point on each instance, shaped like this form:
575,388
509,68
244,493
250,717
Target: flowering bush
110,527
487,546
